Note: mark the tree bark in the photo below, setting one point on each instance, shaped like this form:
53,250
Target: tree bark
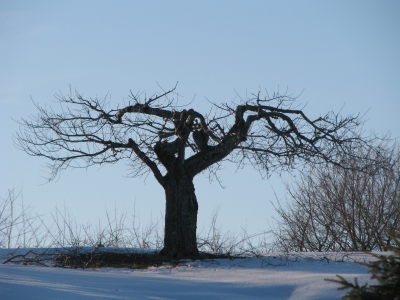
180,217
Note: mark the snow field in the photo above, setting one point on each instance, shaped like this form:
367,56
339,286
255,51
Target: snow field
280,277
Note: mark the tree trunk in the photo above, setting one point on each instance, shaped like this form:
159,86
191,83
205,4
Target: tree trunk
180,217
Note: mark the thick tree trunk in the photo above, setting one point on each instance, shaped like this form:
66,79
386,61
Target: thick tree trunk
180,217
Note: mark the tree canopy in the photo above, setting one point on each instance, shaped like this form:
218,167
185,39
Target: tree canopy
154,134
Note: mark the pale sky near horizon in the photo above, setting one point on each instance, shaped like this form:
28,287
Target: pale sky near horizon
339,55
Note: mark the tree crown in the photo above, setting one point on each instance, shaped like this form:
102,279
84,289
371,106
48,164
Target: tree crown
155,134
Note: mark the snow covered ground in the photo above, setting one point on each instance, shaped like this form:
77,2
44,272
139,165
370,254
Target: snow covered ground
280,277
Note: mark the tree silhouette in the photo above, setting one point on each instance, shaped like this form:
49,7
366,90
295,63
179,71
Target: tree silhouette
175,144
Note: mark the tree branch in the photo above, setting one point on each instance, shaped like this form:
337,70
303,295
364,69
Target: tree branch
151,164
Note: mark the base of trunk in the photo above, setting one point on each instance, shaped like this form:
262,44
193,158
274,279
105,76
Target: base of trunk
179,255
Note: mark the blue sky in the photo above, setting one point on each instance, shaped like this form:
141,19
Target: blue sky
339,55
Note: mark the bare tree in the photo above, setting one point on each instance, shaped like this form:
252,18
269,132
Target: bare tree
336,209
174,144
